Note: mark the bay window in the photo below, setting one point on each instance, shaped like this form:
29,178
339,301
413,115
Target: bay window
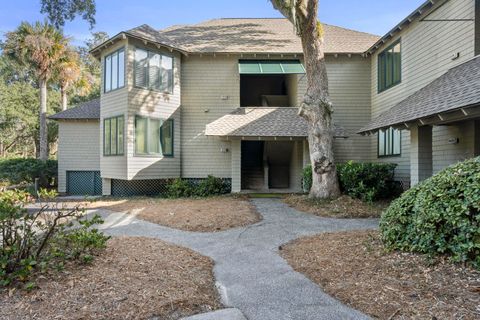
153,71
153,137
114,70
113,136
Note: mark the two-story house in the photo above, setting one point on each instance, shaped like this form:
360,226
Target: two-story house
220,98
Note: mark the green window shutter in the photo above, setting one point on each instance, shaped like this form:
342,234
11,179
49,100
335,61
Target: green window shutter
166,137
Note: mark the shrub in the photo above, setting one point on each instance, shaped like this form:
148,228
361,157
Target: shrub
438,216
179,188
365,181
44,239
307,178
368,181
24,171
211,187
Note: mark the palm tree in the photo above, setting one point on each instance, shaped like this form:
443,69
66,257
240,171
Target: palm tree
67,73
41,47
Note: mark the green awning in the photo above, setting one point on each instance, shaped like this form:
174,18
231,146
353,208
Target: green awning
270,67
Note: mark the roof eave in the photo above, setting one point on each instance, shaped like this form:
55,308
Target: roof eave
419,12
123,35
438,118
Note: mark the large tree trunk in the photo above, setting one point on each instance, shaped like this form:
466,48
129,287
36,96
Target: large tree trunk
43,154
63,92
316,107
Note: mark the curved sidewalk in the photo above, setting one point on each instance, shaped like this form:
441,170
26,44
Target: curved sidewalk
251,276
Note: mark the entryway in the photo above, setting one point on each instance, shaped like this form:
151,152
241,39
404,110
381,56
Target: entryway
267,165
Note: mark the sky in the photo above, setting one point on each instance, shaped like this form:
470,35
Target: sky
113,16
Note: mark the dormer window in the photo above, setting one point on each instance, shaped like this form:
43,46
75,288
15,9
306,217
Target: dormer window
153,71
114,70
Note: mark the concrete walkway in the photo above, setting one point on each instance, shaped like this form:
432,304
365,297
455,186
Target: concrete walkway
250,274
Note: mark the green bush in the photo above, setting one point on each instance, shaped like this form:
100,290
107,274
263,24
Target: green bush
438,216
307,178
179,188
24,171
43,240
368,181
211,186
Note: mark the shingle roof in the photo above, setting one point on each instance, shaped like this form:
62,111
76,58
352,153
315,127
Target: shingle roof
251,36
263,122
86,111
457,88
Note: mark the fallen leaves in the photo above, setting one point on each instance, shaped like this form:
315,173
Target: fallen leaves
342,207
202,215
136,278
354,268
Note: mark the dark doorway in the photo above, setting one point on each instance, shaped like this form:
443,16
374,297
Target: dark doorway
252,165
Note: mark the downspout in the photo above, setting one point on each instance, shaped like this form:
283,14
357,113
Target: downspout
477,27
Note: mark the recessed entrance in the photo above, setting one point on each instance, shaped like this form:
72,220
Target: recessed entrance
266,164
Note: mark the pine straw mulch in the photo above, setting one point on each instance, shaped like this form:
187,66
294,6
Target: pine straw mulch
201,215
342,207
354,268
135,278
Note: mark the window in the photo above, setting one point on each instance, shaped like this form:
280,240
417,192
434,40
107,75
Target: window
153,71
389,142
114,70
113,136
152,137
390,67
166,138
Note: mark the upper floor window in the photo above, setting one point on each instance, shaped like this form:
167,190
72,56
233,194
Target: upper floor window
389,142
114,70
153,71
390,66
113,136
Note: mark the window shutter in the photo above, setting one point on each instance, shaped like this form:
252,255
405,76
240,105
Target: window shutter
141,67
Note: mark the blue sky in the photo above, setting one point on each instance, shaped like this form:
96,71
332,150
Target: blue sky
373,16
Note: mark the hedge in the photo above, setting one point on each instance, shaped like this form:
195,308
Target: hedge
25,171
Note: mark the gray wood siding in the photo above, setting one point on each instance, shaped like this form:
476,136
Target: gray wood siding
78,149
205,80
349,86
427,49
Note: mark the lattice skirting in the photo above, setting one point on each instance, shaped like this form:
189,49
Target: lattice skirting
152,187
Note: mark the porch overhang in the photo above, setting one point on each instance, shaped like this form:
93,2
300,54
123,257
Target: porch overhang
263,123
453,97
